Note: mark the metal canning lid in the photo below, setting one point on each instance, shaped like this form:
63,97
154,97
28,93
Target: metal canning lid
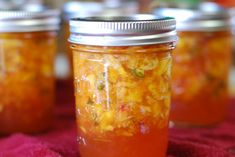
26,21
206,17
140,29
81,9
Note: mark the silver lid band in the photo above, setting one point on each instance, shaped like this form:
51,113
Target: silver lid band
124,40
207,26
122,31
23,21
207,17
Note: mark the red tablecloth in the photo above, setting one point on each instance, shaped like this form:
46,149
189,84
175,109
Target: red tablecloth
60,141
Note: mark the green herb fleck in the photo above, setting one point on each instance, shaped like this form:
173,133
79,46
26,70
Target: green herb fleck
100,86
90,101
100,81
138,72
95,119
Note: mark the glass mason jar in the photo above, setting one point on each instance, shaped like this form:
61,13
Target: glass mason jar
122,74
201,66
27,47
76,9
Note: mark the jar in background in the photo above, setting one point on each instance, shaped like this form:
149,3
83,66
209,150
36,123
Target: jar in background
122,72
232,14
27,48
76,9
225,3
232,73
202,63
176,3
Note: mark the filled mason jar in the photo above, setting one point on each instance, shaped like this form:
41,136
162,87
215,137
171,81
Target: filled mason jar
122,75
202,62
27,48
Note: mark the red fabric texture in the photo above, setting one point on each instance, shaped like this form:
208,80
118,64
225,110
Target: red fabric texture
60,141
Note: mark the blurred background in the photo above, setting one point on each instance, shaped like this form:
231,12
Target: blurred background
143,5
105,7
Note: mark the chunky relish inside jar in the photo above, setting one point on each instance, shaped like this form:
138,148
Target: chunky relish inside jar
26,81
200,78
122,99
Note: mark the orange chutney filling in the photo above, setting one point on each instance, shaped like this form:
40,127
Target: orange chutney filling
26,81
200,78
122,99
